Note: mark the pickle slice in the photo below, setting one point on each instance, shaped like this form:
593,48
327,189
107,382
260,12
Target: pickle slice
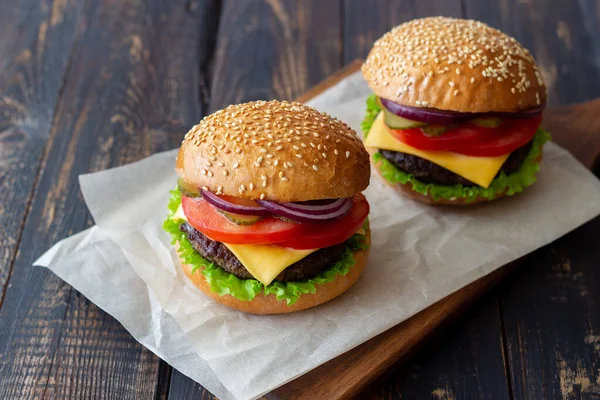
186,189
489,122
240,219
435,130
395,122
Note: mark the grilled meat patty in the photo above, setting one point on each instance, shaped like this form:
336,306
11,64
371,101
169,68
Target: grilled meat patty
428,172
218,253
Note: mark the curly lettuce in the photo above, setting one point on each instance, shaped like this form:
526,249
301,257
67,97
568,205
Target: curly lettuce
513,183
223,282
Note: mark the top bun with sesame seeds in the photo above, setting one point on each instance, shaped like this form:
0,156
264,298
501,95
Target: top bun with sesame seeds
455,65
274,150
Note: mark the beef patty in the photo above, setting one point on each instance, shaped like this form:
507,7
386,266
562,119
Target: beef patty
428,172
218,253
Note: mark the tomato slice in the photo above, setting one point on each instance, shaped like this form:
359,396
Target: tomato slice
320,235
449,140
473,140
313,235
205,218
518,134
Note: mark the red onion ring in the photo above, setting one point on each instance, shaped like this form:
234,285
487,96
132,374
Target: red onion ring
228,206
316,209
434,116
428,115
283,210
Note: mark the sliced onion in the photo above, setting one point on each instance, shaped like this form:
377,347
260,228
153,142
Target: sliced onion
228,206
283,210
316,209
434,116
428,115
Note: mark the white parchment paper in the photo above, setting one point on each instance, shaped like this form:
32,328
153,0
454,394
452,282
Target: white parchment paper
419,255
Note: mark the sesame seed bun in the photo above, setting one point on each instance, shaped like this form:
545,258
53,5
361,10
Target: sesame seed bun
274,150
268,304
455,65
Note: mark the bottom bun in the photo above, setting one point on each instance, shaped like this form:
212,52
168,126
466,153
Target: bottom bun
406,190
268,304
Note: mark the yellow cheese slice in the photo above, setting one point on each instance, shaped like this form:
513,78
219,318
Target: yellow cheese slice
480,170
179,215
266,261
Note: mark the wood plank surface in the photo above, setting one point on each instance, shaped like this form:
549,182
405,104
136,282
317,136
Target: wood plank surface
132,90
85,85
34,53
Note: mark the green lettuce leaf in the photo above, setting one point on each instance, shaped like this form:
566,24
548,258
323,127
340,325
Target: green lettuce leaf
513,183
223,282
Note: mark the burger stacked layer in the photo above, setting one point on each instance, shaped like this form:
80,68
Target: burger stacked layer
268,216
456,113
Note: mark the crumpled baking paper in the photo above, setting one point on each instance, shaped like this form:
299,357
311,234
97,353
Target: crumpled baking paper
419,255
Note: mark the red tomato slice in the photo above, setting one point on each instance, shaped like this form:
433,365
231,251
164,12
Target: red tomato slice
517,135
318,235
450,140
473,140
205,218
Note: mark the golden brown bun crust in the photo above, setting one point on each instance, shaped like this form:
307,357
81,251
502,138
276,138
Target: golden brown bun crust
454,64
406,190
278,150
262,304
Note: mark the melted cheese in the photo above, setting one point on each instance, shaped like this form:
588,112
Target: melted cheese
480,170
263,261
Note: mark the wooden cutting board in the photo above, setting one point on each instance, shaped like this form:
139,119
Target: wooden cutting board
576,128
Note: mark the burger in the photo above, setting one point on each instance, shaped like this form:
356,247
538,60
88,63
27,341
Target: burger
268,216
456,111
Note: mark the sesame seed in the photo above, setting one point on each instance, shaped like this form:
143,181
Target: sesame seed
347,154
283,178
205,188
276,162
279,148
251,186
315,167
264,184
456,92
210,174
295,147
236,164
298,155
262,196
203,172
220,164
451,83
225,172
324,155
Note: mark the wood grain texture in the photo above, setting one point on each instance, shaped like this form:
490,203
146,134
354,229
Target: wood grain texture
133,89
462,361
274,49
37,38
551,318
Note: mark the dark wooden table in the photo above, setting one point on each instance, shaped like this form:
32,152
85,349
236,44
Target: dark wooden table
90,84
